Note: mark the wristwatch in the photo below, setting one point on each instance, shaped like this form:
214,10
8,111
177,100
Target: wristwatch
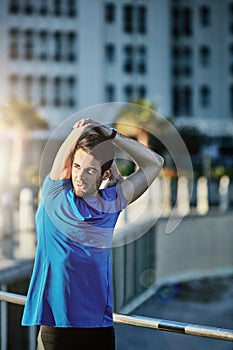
113,134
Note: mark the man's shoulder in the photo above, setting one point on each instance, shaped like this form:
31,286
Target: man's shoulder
114,193
108,192
54,186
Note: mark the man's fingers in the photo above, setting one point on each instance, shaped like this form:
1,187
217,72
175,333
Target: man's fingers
87,122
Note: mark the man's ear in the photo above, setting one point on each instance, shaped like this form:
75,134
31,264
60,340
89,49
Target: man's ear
107,174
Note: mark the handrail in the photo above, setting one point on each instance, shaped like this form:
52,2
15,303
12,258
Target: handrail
140,321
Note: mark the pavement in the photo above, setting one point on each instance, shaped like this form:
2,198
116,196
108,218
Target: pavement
208,301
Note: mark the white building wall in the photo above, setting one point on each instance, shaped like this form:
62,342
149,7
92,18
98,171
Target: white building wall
91,60
214,36
92,71
159,80
3,50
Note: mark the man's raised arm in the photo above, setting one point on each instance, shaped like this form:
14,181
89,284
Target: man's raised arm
149,165
148,162
61,168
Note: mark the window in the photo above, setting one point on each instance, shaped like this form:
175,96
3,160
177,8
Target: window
14,43
58,46
182,61
175,20
230,16
71,91
182,100
13,84
110,13
204,54
128,90
204,15
205,96
175,54
28,8
57,7
43,8
231,8
28,88
134,59
231,98
181,21
141,59
72,8
28,47
128,19
187,99
142,14
43,38
142,91
14,7
176,100
187,21
128,59
57,91
187,61
142,67
110,93
71,40
43,87
231,58
110,53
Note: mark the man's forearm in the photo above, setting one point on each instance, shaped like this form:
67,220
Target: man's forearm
139,153
61,168
149,165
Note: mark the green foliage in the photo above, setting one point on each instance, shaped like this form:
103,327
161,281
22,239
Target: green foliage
193,138
141,114
219,171
21,115
126,167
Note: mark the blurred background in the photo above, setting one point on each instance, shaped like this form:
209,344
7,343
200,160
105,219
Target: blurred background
161,71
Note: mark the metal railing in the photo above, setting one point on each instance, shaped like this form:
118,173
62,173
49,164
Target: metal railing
159,324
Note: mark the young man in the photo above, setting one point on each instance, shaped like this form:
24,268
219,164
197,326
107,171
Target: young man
70,293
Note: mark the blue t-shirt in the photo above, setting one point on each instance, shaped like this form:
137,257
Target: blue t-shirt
71,283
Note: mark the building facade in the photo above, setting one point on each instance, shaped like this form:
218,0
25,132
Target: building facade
69,55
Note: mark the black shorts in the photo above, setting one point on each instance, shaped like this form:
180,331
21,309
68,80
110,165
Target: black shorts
55,338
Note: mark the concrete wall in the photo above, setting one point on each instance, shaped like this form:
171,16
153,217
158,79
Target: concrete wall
199,246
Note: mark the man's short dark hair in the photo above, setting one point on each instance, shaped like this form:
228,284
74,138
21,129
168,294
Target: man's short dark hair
97,145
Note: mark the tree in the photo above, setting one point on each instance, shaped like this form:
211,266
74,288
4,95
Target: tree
193,138
141,121
20,117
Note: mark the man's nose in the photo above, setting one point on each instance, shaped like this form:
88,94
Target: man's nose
80,174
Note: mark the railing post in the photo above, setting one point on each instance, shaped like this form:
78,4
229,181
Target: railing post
202,196
3,321
7,228
183,196
27,238
224,193
32,337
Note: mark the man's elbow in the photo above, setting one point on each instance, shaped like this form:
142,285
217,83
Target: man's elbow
155,166
159,161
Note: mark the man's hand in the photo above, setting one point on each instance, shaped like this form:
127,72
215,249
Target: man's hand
114,178
92,126
61,168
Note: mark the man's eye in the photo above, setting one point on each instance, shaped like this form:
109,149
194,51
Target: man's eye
91,171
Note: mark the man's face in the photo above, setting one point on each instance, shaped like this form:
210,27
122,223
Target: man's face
86,174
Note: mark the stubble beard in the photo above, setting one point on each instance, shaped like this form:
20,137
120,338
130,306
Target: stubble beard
91,192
